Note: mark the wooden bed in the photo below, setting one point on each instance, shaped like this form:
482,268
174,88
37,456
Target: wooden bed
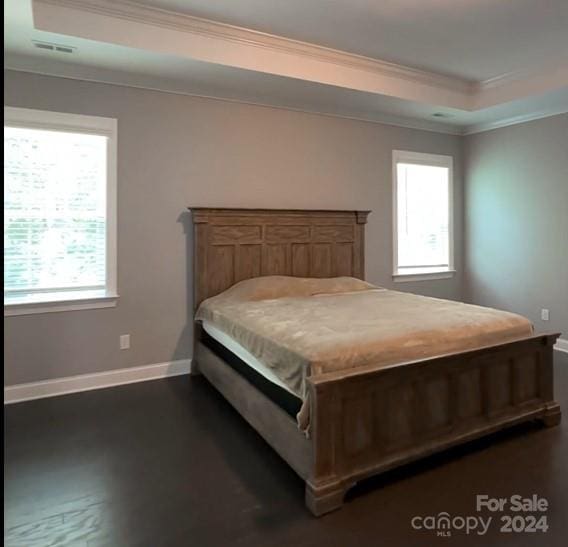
362,423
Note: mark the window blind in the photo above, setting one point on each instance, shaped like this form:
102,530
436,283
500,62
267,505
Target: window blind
423,216
54,211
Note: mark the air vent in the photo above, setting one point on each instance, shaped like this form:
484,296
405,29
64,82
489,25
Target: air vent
54,47
64,49
44,46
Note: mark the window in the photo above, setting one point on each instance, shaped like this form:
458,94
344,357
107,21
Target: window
59,211
423,239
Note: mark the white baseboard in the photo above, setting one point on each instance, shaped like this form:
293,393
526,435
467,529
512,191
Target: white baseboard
85,382
100,380
561,345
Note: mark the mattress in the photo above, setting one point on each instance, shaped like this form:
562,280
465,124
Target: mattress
297,328
279,395
244,355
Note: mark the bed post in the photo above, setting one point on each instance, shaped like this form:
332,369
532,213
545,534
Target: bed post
200,242
552,415
324,489
361,220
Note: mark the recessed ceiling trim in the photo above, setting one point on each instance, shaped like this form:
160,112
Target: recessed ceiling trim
70,72
133,25
522,74
145,28
521,83
514,120
131,11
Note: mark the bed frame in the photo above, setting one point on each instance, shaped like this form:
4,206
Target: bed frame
370,420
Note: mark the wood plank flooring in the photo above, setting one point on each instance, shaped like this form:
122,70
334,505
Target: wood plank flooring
169,463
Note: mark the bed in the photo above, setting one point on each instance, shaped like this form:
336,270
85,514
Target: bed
335,415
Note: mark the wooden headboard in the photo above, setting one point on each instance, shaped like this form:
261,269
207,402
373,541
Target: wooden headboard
235,244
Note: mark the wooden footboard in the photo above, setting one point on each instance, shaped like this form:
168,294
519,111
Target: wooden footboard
367,422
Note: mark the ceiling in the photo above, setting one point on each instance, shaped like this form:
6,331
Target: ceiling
478,63
471,39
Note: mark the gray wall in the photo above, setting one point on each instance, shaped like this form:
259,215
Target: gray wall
176,151
517,220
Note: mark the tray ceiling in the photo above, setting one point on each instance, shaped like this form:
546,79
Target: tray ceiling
141,44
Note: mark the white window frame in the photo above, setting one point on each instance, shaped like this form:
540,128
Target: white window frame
437,160
93,125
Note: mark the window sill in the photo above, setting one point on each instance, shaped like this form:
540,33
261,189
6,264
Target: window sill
425,276
67,302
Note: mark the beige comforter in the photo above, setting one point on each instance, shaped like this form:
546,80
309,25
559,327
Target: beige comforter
302,328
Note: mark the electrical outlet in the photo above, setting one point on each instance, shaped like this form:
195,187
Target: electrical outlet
544,315
125,341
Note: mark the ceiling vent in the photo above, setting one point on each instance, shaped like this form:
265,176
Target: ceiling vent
54,47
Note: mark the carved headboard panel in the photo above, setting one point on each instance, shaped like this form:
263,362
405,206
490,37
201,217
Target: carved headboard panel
235,244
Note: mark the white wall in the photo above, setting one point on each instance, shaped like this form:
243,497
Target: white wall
517,220
175,151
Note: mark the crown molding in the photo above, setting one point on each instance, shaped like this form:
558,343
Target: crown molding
128,23
132,11
501,80
515,76
128,10
522,83
235,46
513,120
15,65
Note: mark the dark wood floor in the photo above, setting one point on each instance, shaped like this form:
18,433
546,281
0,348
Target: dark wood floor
169,463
